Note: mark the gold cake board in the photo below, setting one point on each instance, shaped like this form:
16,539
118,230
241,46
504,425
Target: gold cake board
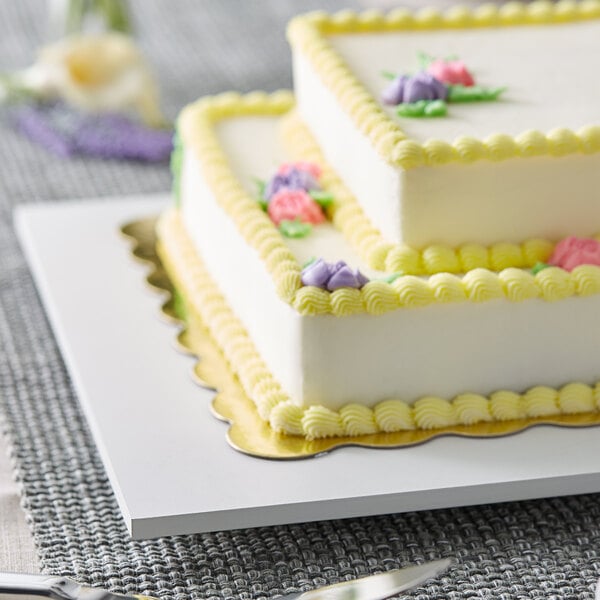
247,432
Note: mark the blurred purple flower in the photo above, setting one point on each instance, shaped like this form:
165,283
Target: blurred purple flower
332,276
408,89
276,183
291,178
394,92
67,132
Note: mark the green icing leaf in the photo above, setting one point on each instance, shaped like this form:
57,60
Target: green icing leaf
391,278
179,306
422,108
260,186
176,163
295,229
424,60
321,197
473,93
436,108
540,266
411,109
309,262
388,74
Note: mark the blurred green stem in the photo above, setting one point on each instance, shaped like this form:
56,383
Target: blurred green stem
72,16
115,13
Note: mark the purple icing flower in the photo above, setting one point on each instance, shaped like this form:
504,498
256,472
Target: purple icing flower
424,86
294,176
301,180
317,274
332,276
394,92
408,89
276,183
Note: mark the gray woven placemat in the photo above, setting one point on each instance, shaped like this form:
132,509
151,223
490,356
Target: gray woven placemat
537,549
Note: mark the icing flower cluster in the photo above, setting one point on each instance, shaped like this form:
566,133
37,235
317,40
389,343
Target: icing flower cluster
294,199
332,276
426,93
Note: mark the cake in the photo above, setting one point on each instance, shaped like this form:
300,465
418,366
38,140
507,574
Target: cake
389,272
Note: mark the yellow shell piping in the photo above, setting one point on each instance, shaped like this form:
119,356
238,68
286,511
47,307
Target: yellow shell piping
273,405
308,35
197,131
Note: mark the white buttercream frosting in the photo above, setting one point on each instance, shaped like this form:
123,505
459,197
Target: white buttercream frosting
547,70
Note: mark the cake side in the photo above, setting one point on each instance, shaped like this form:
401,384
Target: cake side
510,186
202,295
348,215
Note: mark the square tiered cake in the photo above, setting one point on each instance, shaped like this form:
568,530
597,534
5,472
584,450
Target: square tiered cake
375,281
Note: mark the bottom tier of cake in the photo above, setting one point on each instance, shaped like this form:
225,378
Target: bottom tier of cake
196,284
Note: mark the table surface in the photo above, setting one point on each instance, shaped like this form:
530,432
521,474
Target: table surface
547,548
17,552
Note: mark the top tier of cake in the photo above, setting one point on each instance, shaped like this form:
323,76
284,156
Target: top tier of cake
525,166
546,71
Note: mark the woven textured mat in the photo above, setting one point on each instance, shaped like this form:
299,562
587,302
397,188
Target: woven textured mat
537,549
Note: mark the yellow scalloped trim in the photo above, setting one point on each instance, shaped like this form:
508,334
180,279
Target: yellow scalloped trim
196,127
307,34
274,406
348,216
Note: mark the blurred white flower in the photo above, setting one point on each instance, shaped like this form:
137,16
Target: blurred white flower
101,72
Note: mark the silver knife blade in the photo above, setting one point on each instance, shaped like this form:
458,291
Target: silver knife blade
377,587
23,585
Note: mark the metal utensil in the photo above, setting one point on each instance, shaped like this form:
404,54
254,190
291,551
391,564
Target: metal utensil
23,585
374,587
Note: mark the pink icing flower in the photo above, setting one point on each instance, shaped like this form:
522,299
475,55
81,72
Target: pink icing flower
301,165
288,205
451,72
573,251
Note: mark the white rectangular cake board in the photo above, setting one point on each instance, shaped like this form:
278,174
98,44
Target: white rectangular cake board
166,456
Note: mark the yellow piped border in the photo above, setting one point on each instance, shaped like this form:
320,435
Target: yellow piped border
307,34
349,217
193,281
196,127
